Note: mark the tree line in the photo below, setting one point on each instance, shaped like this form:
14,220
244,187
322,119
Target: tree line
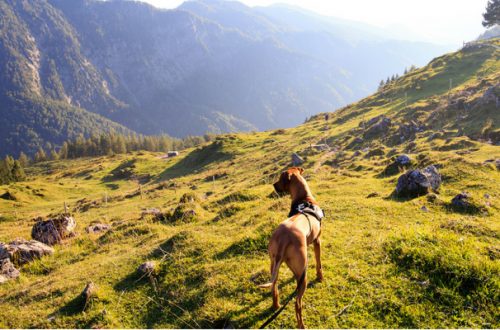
394,77
12,170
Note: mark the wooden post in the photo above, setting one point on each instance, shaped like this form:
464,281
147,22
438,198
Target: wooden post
106,204
449,90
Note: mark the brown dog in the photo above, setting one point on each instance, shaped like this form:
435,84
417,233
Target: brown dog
290,240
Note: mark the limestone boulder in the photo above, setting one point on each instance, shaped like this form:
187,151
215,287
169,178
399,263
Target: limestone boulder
21,251
147,268
55,230
418,182
297,160
97,228
7,270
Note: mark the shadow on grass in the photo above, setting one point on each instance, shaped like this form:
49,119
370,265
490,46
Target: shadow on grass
196,160
123,171
131,282
179,241
179,289
181,292
249,245
73,307
467,208
258,319
402,199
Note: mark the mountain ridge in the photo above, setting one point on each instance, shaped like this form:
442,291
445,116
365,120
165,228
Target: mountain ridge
181,73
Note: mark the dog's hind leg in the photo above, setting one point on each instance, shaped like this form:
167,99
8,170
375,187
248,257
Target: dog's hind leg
317,254
276,256
298,302
298,265
275,271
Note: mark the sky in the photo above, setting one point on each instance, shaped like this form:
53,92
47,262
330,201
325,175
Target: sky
439,21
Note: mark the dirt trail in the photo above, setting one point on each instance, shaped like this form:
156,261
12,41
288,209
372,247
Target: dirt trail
322,159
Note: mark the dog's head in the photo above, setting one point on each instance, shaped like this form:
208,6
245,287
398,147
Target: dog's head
282,186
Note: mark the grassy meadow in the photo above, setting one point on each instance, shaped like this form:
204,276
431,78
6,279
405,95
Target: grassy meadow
388,262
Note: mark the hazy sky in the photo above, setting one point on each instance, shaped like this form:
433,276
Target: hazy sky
443,21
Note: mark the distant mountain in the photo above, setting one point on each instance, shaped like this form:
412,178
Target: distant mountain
49,91
206,66
493,32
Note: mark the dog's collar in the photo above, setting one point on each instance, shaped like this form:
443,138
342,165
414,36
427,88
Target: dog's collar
307,208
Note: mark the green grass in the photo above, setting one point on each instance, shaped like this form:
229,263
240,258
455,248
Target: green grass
387,262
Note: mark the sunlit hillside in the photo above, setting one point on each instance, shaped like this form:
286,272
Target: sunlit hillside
388,261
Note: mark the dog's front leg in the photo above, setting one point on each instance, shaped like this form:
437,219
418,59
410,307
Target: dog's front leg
317,254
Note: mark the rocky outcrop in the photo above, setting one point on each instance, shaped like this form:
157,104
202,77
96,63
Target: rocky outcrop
21,251
8,196
88,293
7,270
97,228
460,200
403,160
400,163
418,182
408,131
320,147
146,269
297,160
53,231
154,212
464,202
377,126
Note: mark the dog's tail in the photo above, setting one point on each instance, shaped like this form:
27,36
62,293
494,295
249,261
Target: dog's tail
274,275
276,267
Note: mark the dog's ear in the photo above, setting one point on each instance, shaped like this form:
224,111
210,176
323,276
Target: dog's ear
301,170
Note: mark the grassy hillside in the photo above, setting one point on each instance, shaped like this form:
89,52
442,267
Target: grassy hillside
388,262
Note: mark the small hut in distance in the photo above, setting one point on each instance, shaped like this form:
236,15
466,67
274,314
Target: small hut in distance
170,154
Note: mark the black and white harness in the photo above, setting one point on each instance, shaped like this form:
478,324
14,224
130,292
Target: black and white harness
308,209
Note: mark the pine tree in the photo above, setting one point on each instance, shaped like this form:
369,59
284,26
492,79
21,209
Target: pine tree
40,156
54,155
9,166
3,172
17,172
11,170
23,159
63,152
492,15
381,85
120,146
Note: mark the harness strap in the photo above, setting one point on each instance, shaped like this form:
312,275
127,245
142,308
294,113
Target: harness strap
310,226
